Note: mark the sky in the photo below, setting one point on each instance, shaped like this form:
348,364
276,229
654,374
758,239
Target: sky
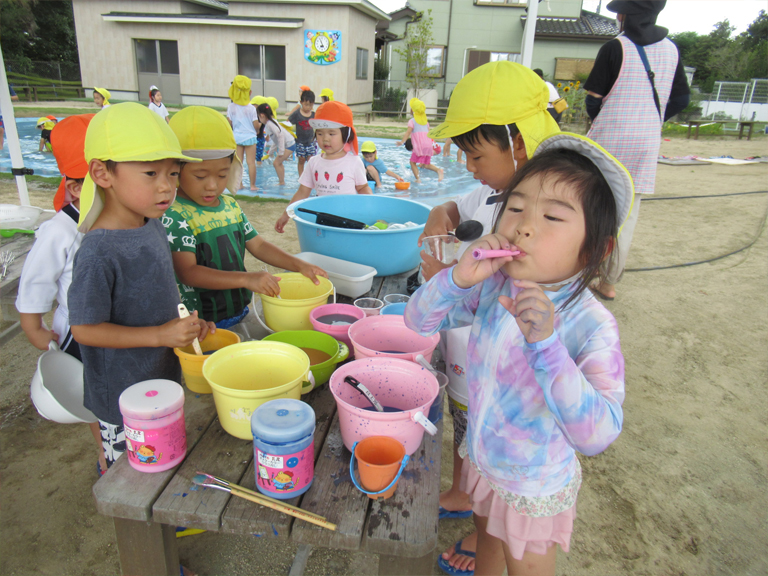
679,15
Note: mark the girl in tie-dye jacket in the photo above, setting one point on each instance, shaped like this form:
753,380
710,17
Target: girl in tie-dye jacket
545,369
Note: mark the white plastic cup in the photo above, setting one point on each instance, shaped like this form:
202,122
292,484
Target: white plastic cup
396,298
444,248
371,306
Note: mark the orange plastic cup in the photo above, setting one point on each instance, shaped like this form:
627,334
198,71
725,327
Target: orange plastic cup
380,460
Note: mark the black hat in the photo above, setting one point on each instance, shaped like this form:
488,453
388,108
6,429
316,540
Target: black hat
636,6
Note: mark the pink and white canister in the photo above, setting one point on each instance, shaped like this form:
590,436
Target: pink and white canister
153,418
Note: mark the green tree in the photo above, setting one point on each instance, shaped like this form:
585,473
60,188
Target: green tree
415,52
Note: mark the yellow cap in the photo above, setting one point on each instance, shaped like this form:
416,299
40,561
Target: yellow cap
240,90
127,132
104,94
42,120
500,93
256,100
614,172
205,134
368,146
419,110
273,103
328,93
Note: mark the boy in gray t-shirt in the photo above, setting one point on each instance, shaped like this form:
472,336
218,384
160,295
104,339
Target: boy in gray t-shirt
305,134
123,297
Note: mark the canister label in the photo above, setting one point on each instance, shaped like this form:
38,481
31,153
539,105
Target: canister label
156,446
285,473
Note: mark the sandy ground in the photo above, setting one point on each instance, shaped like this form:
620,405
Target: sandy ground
682,491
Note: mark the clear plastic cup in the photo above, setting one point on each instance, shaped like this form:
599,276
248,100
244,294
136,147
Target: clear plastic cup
396,298
444,248
436,410
371,306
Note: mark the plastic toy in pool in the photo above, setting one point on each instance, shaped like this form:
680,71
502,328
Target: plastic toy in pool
389,251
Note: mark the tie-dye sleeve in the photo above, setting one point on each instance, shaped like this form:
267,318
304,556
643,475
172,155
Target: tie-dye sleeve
585,394
440,305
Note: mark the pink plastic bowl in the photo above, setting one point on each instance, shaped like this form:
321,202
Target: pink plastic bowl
389,336
341,333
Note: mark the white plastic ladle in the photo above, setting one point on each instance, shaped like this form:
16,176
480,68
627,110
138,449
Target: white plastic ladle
423,361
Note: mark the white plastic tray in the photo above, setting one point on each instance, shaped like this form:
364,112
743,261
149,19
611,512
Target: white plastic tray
349,278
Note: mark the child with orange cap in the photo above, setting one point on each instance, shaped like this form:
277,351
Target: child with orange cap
418,127
47,271
336,170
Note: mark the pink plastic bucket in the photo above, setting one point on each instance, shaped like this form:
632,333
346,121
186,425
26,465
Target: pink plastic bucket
395,383
153,418
340,332
385,335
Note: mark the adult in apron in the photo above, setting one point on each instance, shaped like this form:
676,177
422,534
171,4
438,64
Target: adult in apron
627,100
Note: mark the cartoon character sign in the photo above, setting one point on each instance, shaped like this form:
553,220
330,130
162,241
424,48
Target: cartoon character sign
284,481
322,47
146,455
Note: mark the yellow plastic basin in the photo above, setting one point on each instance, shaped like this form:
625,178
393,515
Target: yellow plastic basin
192,364
298,297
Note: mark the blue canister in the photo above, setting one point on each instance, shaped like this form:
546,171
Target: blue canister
284,447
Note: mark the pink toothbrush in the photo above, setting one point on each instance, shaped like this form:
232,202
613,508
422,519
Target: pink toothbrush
482,254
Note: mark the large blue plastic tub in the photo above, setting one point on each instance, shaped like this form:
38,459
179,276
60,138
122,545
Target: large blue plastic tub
389,251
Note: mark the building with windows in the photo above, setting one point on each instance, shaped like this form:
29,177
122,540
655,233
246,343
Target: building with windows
469,33
192,49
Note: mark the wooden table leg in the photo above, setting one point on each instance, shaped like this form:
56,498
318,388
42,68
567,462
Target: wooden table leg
741,130
146,548
749,134
696,136
394,565
689,129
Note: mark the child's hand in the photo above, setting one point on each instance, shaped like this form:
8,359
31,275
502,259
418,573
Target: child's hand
439,223
281,222
206,328
180,332
399,178
469,271
41,337
532,309
431,266
312,272
263,283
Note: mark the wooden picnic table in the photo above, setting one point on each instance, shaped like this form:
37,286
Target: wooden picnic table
742,124
146,508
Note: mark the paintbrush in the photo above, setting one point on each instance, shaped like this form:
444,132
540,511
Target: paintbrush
227,483
184,313
203,480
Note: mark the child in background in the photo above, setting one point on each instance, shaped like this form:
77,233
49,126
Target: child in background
326,95
101,97
261,140
156,103
374,167
45,125
47,271
418,127
497,144
280,137
303,88
123,298
545,369
335,170
447,150
208,232
245,124
305,134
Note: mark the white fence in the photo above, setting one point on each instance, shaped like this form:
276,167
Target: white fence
738,100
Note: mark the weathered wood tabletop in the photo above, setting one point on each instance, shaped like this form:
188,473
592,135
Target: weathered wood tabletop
146,508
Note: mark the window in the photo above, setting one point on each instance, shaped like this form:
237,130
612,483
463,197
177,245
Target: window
435,57
146,56
249,61
147,60
274,63
169,57
251,57
361,69
479,57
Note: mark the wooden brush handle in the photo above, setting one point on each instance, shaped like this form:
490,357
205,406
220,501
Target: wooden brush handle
296,513
263,497
184,313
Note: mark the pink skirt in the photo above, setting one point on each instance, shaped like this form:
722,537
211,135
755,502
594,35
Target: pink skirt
416,159
520,533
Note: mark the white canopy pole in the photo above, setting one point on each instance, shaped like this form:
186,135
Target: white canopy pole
17,161
529,32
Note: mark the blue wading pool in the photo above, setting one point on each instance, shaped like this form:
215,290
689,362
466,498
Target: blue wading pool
389,251
457,180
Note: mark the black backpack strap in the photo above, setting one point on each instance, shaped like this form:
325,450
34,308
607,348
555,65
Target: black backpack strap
651,75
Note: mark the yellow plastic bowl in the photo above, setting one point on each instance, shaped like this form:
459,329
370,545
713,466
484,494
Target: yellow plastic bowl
192,364
298,297
402,185
244,376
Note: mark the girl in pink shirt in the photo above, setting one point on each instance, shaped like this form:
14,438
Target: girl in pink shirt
338,169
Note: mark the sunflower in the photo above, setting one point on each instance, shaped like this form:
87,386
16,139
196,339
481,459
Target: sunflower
559,84
570,84
578,82
567,89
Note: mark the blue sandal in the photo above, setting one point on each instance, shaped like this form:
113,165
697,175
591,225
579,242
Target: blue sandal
443,513
452,571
